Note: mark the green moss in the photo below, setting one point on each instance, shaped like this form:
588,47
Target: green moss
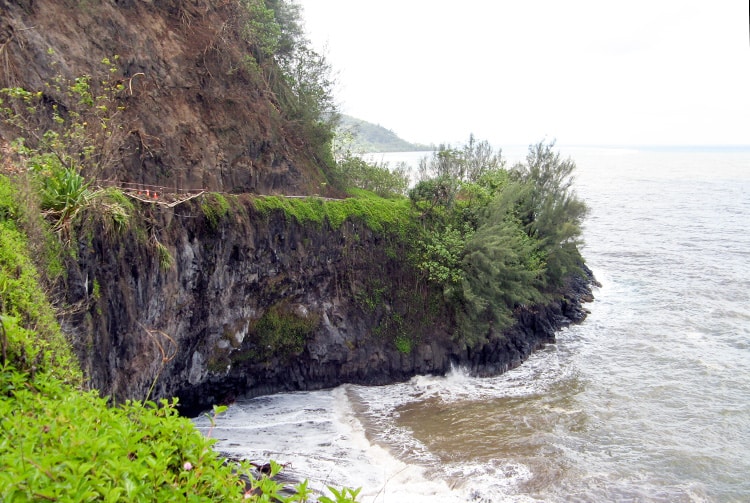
403,344
303,210
215,207
278,333
378,214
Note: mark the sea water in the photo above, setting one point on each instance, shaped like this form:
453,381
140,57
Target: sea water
647,400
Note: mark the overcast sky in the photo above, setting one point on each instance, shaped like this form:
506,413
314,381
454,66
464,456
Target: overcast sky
584,72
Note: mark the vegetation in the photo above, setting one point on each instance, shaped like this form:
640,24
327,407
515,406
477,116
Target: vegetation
281,333
552,214
298,76
61,148
63,444
492,239
214,207
59,442
362,136
30,337
353,171
377,213
486,239
496,239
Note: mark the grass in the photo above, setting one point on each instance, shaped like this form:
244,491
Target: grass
215,207
377,213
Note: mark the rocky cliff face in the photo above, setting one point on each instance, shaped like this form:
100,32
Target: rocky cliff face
195,117
192,330
206,304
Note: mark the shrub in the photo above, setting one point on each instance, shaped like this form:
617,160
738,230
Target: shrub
352,171
281,333
34,340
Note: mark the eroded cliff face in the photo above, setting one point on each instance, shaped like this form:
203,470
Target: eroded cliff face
192,330
195,117
208,307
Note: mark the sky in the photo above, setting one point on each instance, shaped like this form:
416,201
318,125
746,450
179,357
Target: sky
515,72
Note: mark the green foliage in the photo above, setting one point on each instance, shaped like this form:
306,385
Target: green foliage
60,443
281,333
303,210
500,268
112,208
64,193
77,122
340,496
307,96
434,195
261,28
440,256
379,214
467,164
67,132
352,171
298,76
9,207
215,207
288,17
166,260
403,344
493,239
33,337
552,213
373,295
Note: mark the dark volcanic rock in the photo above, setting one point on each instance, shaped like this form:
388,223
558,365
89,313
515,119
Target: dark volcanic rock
190,330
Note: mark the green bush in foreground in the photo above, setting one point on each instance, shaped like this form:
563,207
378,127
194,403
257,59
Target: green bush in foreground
61,444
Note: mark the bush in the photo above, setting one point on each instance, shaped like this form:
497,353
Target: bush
33,340
352,171
496,239
281,333
60,443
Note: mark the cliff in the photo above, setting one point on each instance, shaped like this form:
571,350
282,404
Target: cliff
197,112
222,295
193,329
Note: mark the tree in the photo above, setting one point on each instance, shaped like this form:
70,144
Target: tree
299,77
351,171
551,212
501,268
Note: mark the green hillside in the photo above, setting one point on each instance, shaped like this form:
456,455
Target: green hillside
368,137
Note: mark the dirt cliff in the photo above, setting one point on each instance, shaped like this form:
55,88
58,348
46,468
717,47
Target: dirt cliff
196,115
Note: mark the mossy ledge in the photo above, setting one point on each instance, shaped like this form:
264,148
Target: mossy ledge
335,271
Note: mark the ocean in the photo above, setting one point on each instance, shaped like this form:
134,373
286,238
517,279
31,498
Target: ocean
648,400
